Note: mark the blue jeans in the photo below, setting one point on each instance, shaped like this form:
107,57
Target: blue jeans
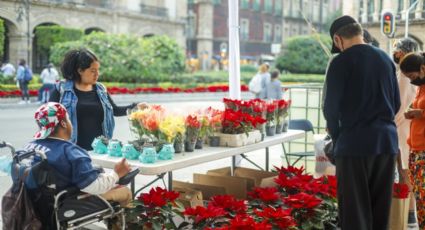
23,86
44,92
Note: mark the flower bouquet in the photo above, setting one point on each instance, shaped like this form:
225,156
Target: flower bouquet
169,127
215,119
399,207
145,123
192,131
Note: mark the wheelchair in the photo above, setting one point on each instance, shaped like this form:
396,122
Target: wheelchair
65,209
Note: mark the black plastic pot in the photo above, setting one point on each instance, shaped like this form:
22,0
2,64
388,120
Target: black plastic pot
189,146
270,130
199,143
178,146
214,141
279,128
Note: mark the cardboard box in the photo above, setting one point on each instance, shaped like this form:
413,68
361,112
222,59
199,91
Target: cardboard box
189,197
235,186
207,191
256,175
268,182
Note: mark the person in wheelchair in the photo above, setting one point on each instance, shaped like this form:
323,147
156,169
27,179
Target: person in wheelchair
71,164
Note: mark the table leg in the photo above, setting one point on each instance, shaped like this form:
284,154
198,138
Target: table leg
232,169
133,186
170,180
267,159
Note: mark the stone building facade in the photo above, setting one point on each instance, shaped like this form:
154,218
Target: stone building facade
262,23
368,13
140,17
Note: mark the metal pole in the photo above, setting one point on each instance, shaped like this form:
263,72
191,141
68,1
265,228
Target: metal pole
406,31
234,70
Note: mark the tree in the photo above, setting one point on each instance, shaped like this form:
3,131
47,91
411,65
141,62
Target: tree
305,55
127,58
2,38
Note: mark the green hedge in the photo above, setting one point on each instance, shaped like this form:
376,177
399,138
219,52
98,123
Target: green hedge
305,55
2,38
127,58
47,36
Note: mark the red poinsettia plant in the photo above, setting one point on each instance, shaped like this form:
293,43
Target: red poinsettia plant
282,110
400,191
155,210
271,113
297,202
237,122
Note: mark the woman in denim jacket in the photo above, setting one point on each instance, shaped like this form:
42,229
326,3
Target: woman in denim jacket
90,107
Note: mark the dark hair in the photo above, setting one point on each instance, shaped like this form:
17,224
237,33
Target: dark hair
407,45
79,59
275,74
22,62
350,30
412,62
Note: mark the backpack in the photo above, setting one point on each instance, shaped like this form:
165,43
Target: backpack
255,84
27,74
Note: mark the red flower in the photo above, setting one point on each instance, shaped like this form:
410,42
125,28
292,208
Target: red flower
290,170
158,197
279,217
302,201
192,122
201,213
267,195
400,191
243,222
228,203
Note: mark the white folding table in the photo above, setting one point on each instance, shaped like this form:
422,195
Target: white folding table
207,154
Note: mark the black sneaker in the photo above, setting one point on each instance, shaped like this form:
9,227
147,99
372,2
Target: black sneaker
411,219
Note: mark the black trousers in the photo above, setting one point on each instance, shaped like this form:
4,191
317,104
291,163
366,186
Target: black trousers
365,191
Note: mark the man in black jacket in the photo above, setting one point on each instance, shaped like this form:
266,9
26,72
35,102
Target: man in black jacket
362,98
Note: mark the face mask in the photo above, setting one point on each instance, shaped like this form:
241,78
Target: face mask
396,59
418,81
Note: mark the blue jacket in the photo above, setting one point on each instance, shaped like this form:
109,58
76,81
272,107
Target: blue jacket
69,100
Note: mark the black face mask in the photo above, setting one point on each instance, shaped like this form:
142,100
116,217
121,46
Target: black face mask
418,81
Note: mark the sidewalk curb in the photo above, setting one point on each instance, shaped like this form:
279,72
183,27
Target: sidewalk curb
121,99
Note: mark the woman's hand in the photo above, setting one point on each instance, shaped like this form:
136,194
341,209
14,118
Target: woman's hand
142,105
413,113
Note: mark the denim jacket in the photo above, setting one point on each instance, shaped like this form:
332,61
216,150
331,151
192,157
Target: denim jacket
69,99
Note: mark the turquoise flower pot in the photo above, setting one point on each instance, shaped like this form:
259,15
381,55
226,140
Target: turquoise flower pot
114,148
148,155
167,152
130,152
98,146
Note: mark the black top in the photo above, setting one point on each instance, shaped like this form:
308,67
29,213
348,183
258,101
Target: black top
362,98
90,115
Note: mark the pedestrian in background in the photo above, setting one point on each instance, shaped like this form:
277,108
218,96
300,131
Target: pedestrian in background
23,81
413,67
274,87
362,98
7,69
90,107
407,95
49,76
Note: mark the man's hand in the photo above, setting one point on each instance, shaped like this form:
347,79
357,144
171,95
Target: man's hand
122,168
413,113
405,179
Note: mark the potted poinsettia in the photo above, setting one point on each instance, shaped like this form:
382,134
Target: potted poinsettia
281,114
271,119
169,128
193,126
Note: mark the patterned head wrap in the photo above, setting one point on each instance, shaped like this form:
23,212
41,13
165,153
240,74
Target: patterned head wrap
48,117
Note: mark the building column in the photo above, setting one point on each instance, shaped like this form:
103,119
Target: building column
205,33
406,5
349,7
419,9
17,48
365,12
376,13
